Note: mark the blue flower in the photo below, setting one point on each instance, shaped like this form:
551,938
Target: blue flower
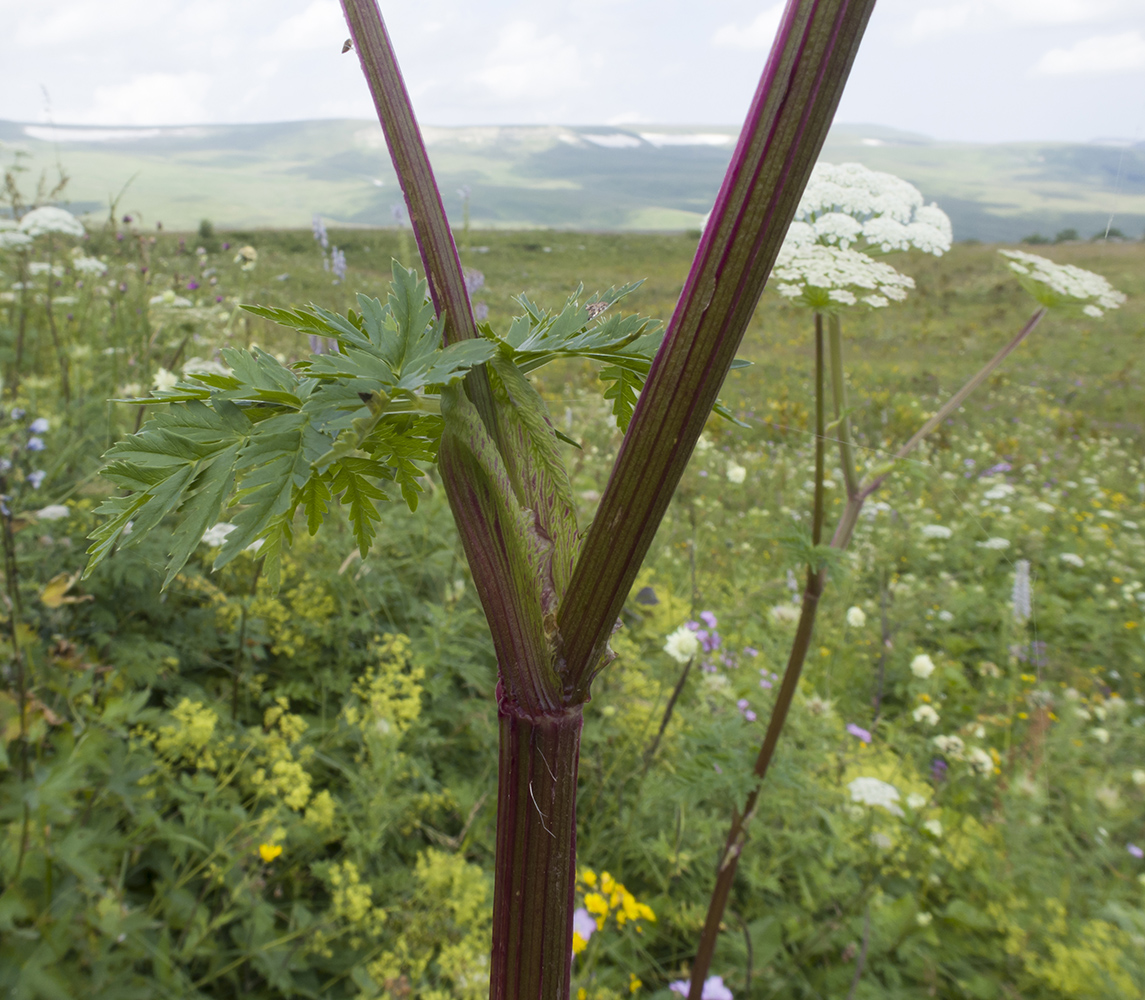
35,444
39,426
36,478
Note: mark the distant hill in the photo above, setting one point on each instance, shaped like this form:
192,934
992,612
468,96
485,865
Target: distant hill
638,178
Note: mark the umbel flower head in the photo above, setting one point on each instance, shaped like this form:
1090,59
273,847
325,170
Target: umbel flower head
828,277
1058,286
50,219
848,204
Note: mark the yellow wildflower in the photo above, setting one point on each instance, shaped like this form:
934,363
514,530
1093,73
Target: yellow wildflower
268,852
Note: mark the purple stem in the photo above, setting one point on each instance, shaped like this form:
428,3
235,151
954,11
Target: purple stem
786,126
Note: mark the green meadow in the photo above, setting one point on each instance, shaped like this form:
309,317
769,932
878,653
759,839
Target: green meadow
219,790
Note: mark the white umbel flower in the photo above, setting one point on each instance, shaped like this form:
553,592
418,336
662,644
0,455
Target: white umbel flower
53,512
89,265
11,240
922,666
936,531
874,792
856,617
1020,595
848,204
51,219
736,473
826,277
682,644
1063,285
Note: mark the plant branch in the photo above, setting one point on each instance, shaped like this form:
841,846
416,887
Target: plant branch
652,747
788,121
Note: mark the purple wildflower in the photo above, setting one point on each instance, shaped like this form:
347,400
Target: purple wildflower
714,988
192,285
708,619
480,312
765,684
35,444
938,770
338,263
1135,851
39,426
319,228
226,246
474,279
583,923
859,732
750,651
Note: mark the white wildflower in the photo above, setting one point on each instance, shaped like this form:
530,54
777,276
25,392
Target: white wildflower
53,512
1045,508
1101,734
946,616
916,801
736,472
936,531
682,644
980,760
205,366
856,617
51,219
89,265
999,492
995,543
951,746
923,919
922,666
165,380
1058,285
874,792
825,277
217,534
821,706
1072,559
847,203
10,240
783,614
1108,797
1138,777
925,713
934,827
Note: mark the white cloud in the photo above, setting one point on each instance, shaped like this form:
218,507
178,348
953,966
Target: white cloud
527,64
319,25
1102,54
45,24
936,21
756,36
1054,11
151,99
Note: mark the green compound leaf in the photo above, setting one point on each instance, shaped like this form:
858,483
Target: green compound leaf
357,426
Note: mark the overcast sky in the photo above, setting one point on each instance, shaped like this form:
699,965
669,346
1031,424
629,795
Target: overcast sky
985,70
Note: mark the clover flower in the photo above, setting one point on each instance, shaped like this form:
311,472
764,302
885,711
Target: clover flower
50,219
922,666
848,203
875,792
856,617
682,645
1063,285
827,277
714,988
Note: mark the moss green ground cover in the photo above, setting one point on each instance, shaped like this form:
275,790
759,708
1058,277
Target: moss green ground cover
220,791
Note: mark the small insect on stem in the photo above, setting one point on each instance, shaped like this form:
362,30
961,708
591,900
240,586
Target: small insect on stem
347,45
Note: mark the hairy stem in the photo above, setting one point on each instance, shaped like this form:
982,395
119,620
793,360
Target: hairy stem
536,856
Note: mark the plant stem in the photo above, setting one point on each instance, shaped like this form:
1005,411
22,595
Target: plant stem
788,121
737,835
844,530
839,396
651,751
536,856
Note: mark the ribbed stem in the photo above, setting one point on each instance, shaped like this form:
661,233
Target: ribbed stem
536,856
